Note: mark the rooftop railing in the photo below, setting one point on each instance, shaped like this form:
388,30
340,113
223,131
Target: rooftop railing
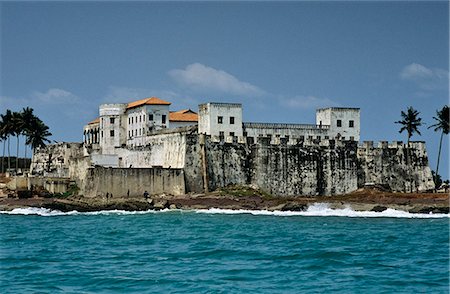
284,126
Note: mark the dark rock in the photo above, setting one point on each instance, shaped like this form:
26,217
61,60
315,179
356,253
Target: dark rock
379,208
292,206
431,209
161,204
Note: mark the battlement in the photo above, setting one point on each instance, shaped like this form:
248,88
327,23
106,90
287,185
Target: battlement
393,144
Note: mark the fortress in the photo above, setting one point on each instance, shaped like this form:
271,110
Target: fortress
142,145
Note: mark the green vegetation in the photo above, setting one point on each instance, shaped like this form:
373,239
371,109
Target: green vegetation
23,123
410,122
244,191
71,191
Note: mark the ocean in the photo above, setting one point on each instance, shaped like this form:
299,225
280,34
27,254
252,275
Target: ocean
222,251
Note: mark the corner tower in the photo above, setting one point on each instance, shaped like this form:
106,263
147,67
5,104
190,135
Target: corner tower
344,122
220,119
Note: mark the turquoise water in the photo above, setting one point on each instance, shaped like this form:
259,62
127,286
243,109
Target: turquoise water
191,252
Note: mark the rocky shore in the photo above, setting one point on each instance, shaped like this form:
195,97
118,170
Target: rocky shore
244,198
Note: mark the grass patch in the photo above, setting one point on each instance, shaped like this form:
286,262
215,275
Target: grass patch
244,191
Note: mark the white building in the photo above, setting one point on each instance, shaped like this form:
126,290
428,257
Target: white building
126,126
344,123
220,119
225,120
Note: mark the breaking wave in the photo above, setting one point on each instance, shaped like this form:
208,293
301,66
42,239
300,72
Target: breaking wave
49,212
317,209
323,209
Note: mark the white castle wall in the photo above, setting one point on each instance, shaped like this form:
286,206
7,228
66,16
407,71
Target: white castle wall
330,117
231,122
277,131
112,127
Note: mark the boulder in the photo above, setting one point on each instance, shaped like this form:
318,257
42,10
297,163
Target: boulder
379,208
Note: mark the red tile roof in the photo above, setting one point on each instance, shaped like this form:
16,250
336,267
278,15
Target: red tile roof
183,115
95,121
147,101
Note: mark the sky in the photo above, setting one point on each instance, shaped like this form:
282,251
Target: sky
281,60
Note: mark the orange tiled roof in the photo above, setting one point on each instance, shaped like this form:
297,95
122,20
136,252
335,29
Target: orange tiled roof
183,115
147,101
95,121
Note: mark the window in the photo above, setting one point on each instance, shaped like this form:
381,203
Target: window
111,133
310,137
111,120
351,123
140,118
232,134
150,117
101,134
129,120
302,138
220,119
352,138
343,138
339,123
163,118
139,132
221,134
144,118
132,120
318,138
129,134
327,137
231,120
245,134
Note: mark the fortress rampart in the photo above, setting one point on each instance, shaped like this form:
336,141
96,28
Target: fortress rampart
183,162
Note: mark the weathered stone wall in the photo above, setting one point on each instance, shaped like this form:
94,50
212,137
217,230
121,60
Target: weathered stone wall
55,160
281,169
395,166
309,168
286,170
132,182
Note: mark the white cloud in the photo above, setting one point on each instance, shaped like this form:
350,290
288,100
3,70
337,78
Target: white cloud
306,102
56,96
199,77
426,78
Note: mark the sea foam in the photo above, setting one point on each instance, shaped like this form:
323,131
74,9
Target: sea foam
317,209
323,209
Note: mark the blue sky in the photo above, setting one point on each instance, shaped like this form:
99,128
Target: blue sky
281,60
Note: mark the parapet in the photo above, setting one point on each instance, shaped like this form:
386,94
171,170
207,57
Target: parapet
393,144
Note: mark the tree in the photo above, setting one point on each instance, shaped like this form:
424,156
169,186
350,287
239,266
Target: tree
442,124
17,129
410,123
38,133
3,137
6,131
27,118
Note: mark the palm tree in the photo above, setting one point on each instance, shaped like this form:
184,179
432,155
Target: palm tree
27,118
38,133
6,131
410,123
17,128
442,124
3,138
